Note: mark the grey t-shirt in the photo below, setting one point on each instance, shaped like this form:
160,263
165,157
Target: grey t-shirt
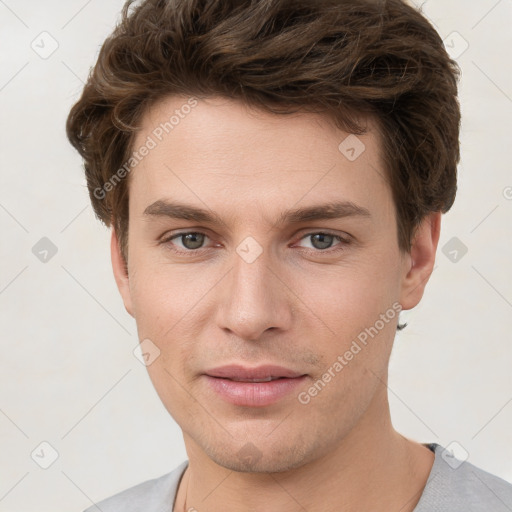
452,486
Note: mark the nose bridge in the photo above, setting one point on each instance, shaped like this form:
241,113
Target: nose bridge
254,299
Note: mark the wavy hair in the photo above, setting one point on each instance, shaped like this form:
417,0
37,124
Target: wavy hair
349,59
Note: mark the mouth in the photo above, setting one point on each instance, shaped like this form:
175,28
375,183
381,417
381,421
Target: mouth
265,373
268,379
253,387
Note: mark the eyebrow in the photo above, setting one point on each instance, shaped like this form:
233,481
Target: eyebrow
330,210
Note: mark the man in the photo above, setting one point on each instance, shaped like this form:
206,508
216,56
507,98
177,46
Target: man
275,173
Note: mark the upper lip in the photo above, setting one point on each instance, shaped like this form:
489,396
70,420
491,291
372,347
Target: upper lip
260,372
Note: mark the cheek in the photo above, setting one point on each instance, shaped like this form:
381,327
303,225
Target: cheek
173,305
352,328
347,300
353,313
162,299
162,294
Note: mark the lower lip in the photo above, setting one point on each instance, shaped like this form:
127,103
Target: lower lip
254,394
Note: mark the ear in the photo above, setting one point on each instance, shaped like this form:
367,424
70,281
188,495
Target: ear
418,264
120,272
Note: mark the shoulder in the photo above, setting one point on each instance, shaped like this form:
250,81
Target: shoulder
152,495
455,485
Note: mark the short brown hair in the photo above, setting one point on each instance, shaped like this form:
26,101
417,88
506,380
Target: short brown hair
344,58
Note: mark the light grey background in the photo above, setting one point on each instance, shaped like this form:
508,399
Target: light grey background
68,375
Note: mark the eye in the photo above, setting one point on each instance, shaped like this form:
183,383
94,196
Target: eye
191,241
323,242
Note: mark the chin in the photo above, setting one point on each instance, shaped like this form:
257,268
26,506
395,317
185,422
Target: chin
258,457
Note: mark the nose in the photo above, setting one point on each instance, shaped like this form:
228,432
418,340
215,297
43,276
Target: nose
255,299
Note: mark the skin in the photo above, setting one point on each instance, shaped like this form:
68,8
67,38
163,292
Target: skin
297,305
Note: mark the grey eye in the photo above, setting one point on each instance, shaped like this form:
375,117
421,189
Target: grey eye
191,240
321,240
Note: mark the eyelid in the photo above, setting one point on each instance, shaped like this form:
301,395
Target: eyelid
317,231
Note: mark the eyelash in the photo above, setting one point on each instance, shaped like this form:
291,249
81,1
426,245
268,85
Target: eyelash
330,251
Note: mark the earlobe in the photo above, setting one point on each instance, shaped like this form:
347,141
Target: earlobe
420,262
120,272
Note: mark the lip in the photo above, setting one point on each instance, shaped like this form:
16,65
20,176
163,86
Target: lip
223,381
239,372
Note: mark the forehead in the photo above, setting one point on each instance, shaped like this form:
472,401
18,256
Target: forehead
220,154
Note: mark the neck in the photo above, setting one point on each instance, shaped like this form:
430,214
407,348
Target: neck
372,467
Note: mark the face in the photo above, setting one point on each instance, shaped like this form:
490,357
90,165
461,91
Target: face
253,241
